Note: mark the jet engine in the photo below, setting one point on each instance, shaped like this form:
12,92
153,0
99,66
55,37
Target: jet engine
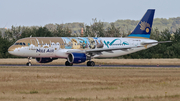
76,57
45,60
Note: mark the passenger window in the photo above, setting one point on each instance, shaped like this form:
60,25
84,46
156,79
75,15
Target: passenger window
20,43
24,44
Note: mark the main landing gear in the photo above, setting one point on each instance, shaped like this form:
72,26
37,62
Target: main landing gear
90,63
67,63
29,61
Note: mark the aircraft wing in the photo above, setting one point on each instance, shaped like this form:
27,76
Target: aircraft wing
100,50
147,43
109,49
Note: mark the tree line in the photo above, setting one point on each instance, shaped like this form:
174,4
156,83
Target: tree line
165,50
125,26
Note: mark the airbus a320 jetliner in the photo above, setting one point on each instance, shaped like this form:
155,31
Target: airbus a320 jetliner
81,49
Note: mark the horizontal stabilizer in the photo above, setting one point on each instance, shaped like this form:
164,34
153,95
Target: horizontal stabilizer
147,43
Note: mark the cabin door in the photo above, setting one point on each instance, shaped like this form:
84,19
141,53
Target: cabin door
33,44
134,42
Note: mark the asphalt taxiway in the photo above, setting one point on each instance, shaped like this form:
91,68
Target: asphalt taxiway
50,65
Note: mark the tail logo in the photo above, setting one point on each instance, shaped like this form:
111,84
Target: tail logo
145,26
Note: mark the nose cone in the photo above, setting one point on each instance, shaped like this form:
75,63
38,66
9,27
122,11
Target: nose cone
11,50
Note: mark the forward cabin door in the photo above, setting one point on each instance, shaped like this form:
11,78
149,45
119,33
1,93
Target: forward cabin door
33,44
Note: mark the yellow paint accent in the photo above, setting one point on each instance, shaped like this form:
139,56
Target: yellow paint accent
46,47
50,40
146,46
12,48
147,30
144,25
137,37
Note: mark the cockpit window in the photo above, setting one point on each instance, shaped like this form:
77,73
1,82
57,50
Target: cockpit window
16,43
20,43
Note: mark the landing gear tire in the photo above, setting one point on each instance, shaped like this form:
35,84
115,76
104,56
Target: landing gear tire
68,64
90,63
29,64
29,61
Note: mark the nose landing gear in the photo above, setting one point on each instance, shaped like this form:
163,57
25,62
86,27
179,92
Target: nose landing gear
29,61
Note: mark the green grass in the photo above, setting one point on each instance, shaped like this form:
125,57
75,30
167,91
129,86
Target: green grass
33,92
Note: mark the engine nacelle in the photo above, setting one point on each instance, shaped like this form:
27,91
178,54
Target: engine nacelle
45,60
76,57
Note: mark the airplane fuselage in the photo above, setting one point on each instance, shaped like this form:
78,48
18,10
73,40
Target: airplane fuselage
57,47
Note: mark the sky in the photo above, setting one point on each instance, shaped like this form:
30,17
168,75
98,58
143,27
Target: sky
42,12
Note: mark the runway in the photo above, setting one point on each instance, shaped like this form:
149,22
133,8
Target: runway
51,65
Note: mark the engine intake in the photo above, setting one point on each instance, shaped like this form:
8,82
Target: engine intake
76,57
45,60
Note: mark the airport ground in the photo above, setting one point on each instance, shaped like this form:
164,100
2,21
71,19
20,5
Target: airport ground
101,61
22,83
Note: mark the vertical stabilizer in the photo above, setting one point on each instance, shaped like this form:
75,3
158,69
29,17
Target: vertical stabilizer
143,29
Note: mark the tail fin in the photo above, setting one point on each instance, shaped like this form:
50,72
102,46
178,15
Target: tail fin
143,29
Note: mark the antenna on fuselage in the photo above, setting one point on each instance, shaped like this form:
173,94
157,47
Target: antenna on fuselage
95,35
30,36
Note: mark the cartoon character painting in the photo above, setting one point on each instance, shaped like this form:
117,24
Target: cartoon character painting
83,43
75,44
92,43
99,44
67,43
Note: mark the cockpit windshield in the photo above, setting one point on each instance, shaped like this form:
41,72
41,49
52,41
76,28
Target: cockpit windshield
20,43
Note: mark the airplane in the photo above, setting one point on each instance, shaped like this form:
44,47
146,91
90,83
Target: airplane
81,49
